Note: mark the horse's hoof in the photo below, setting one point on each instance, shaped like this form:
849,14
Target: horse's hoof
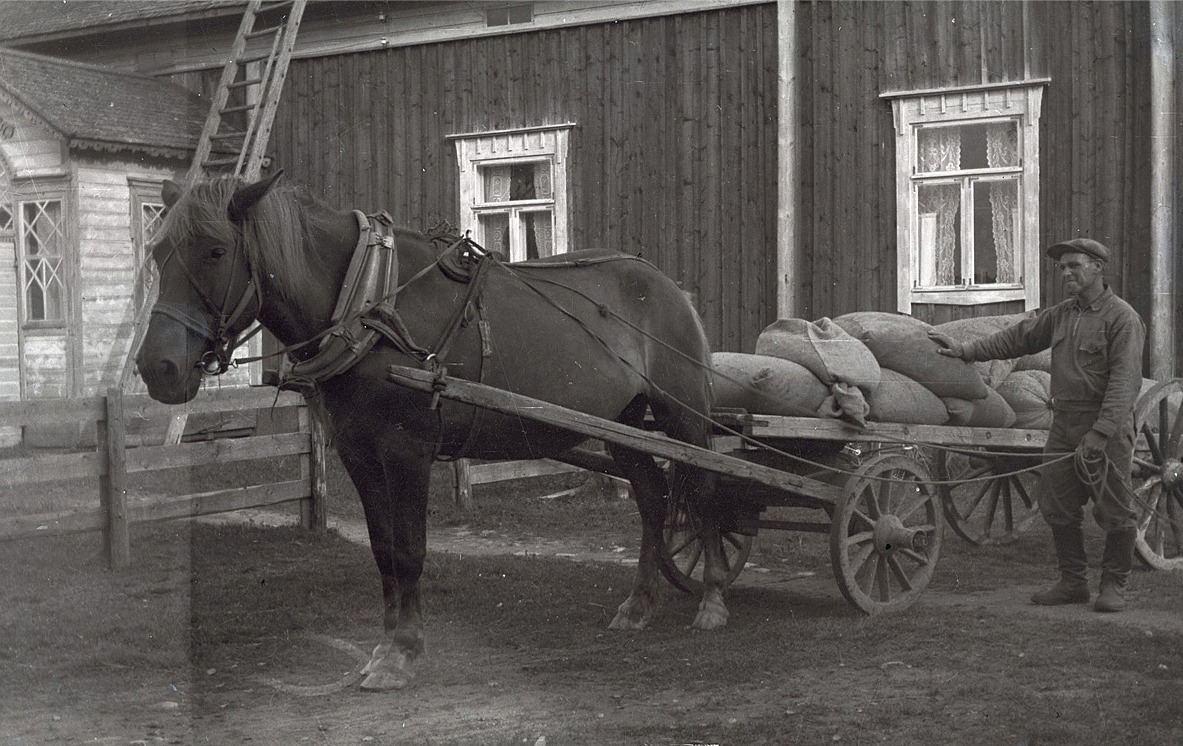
389,668
711,616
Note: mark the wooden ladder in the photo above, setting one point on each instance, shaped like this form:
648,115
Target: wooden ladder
271,46
234,138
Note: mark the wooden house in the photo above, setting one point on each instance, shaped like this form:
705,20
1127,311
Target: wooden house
778,159
83,152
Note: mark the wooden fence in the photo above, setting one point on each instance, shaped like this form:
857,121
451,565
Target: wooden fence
113,463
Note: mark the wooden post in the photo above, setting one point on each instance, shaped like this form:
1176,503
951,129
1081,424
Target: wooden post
791,299
314,510
1162,191
114,484
462,479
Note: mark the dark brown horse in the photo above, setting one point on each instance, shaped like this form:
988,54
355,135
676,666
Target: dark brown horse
603,333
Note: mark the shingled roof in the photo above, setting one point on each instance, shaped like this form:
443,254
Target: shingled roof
96,108
31,19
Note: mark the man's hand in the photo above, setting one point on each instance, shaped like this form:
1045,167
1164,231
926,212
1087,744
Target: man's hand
949,347
1093,445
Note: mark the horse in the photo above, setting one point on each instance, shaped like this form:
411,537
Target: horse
603,333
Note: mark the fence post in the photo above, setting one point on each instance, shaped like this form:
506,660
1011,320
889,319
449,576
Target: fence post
114,485
462,481
314,511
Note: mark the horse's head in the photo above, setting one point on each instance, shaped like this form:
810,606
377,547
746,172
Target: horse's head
208,293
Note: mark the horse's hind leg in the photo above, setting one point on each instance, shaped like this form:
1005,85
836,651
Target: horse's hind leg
695,488
649,489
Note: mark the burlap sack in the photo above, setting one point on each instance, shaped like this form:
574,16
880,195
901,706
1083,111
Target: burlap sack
989,411
765,385
901,343
822,347
1028,392
993,372
900,399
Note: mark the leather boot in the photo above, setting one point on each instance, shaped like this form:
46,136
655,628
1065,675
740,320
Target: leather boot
1116,564
1073,587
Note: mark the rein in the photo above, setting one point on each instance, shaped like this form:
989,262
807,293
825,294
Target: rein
217,360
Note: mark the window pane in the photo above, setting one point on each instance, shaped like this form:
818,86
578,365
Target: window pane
42,244
5,219
538,229
968,147
517,181
495,232
940,235
996,210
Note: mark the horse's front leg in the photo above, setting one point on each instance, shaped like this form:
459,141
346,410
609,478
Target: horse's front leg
393,491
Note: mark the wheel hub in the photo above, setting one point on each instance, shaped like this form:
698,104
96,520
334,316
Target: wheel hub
891,535
1171,473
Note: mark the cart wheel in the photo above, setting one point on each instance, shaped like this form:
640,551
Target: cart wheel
682,549
993,504
1158,475
886,534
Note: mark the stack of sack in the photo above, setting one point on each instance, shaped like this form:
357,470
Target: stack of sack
883,367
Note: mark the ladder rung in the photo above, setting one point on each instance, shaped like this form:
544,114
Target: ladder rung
245,83
236,109
274,6
269,31
228,136
253,58
220,162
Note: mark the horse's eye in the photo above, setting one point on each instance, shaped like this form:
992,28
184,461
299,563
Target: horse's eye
218,253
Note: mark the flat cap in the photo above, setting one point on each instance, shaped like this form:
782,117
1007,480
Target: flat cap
1088,246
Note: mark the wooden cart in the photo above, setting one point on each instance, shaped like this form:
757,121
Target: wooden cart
884,509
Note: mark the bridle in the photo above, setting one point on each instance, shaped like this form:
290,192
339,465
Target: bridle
216,360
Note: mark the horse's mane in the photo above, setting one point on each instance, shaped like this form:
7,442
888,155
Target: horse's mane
275,232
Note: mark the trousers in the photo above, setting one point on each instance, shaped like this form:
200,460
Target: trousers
1063,492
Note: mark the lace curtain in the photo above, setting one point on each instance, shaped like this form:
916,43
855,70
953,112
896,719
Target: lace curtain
516,182
1002,149
940,150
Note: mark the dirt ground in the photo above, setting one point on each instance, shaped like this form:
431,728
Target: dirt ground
474,690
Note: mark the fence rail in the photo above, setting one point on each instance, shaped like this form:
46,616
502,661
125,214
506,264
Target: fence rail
113,460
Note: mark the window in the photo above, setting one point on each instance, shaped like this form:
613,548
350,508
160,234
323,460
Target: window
967,183
41,245
147,213
508,14
513,190
7,220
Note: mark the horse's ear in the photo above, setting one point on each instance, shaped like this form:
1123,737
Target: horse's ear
247,196
170,192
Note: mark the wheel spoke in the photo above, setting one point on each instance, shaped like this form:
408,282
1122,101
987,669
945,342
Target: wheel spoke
991,506
915,504
882,579
900,575
977,500
1025,495
676,549
690,562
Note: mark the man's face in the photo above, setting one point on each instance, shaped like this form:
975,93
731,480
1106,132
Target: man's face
1080,272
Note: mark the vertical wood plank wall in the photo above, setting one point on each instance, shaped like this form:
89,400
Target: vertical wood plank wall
673,153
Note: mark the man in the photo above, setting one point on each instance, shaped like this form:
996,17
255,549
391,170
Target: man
1096,340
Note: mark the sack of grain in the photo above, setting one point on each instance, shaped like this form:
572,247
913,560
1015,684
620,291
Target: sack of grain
765,385
822,347
901,343
993,372
1028,392
900,399
989,411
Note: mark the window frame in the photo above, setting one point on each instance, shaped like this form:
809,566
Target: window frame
63,273
916,111
479,150
144,193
